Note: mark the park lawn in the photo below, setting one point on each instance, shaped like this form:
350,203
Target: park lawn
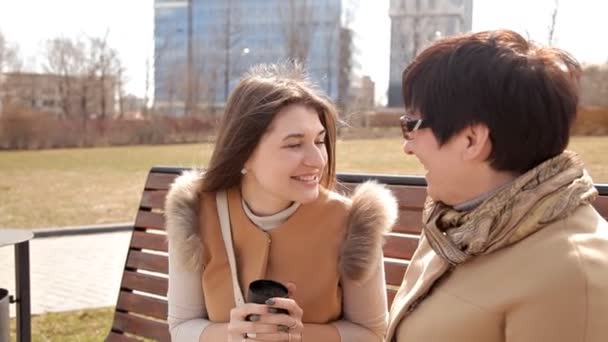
66,187
82,326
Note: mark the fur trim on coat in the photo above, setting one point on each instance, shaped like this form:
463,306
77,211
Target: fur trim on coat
373,212
181,219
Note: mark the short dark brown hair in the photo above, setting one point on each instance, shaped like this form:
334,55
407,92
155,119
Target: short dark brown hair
526,94
253,104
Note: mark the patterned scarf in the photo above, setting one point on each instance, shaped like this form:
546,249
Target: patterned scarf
549,192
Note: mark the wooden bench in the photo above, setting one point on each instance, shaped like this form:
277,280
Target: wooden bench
141,309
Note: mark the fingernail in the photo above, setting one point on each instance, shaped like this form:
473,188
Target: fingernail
270,301
254,317
283,328
273,310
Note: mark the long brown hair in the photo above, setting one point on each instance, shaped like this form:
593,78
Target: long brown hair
258,97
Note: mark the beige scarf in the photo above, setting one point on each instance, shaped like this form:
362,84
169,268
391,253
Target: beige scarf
548,193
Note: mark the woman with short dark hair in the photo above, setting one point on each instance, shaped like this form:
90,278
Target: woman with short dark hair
511,249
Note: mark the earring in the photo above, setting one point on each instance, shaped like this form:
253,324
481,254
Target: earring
243,171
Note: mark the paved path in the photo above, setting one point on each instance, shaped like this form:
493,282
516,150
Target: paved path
70,272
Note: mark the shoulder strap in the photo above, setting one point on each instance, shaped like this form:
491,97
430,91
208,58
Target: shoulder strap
222,209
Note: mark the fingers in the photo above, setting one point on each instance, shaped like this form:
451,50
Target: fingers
291,288
261,322
291,323
239,326
288,304
281,336
241,312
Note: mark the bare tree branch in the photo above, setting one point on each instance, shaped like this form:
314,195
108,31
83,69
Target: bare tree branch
299,28
9,56
553,22
65,58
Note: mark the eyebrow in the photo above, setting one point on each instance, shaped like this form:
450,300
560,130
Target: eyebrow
300,135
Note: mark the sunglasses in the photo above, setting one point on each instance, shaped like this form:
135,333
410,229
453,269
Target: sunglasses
409,126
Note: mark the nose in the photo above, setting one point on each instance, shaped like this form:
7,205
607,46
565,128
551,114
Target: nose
408,147
316,157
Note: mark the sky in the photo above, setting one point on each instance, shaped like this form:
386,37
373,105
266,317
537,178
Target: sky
581,29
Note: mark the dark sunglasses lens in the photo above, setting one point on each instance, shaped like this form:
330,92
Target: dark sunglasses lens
404,128
411,124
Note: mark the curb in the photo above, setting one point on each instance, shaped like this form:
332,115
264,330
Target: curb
82,230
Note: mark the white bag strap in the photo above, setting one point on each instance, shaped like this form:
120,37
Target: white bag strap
222,209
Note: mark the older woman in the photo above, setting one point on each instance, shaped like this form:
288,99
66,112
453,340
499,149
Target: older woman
511,250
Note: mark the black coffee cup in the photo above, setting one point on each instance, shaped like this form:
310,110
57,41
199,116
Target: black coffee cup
263,289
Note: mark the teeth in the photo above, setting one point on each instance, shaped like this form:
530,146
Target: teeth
307,178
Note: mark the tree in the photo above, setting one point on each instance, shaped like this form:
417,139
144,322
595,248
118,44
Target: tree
229,39
65,58
104,71
297,16
9,61
87,73
9,56
551,38
346,56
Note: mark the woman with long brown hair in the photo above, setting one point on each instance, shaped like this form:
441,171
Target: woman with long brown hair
265,209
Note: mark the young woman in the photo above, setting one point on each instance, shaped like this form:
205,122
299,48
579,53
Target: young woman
270,180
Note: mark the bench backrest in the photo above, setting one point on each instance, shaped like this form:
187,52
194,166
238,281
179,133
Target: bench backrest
141,309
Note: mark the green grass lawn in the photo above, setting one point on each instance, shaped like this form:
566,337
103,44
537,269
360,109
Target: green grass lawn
103,185
82,326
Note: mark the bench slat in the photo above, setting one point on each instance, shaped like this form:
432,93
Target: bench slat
143,305
409,197
390,296
153,199
156,242
147,261
601,205
140,326
400,246
409,222
394,271
144,282
160,181
148,219
115,337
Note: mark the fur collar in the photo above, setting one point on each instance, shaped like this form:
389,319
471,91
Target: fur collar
373,211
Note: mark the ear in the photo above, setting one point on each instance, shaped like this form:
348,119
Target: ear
479,144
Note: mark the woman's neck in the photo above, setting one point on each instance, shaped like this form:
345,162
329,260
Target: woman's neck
262,203
492,184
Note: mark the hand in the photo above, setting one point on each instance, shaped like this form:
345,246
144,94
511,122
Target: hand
239,328
290,324
265,323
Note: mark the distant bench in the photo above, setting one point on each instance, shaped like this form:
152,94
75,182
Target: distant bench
141,309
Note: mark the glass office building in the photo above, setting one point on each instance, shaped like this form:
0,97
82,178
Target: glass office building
201,62
415,24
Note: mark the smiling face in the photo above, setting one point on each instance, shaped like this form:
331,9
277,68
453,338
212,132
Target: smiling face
458,170
288,163
446,173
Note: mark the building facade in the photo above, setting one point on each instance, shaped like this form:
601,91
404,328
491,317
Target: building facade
202,47
415,24
62,96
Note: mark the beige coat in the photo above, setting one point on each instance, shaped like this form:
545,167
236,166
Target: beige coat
551,286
